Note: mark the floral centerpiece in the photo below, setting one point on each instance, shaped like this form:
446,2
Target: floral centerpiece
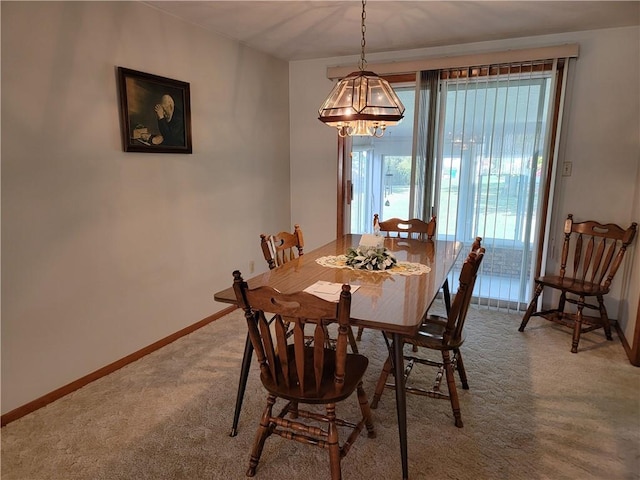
370,258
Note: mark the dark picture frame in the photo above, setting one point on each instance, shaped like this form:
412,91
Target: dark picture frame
155,113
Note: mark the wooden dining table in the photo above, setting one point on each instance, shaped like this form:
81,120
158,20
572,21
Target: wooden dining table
387,302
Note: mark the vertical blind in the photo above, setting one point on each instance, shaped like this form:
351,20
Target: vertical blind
421,196
491,132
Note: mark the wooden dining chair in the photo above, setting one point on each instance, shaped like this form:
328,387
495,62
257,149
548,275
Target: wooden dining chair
595,251
413,228
299,374
446,335
283,247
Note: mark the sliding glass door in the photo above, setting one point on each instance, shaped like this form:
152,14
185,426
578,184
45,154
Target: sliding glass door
487,135
492,138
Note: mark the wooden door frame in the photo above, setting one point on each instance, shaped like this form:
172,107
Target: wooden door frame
343,187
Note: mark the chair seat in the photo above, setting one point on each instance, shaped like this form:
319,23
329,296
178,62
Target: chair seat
573,285
431,335
355,367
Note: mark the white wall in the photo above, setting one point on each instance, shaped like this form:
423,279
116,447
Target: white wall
601,137
106,252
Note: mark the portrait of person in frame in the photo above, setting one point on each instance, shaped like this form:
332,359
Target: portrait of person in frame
155,113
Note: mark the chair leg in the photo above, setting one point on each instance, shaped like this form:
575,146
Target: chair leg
461,371
332,441
382,380
359,336
366,411
577,326
264,430
604,318
293,410
531,308
451,384
561,303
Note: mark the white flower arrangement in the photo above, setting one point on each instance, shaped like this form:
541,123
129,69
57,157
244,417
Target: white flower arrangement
370,258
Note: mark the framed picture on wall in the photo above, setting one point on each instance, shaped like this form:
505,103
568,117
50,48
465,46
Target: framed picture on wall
155,113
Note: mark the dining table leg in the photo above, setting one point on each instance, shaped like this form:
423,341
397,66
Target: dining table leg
447,295
401,401
242,384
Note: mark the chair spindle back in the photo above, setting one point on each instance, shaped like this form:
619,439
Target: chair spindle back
413,228
458,313
596,250
283,247
293,364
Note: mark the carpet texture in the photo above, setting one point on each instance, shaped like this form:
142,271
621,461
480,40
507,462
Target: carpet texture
533,411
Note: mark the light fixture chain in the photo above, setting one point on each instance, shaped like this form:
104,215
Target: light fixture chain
363,43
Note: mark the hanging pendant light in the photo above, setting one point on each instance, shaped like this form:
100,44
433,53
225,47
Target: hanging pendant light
362,103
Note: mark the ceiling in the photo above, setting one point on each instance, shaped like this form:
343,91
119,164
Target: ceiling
299,30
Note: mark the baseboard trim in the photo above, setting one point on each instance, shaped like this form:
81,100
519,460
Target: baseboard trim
81,382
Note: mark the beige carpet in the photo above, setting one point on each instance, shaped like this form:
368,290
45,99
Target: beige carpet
534,411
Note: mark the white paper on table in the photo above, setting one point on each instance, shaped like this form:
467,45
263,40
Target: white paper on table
328,290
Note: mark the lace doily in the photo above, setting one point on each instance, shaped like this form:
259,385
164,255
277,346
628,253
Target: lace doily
400,268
